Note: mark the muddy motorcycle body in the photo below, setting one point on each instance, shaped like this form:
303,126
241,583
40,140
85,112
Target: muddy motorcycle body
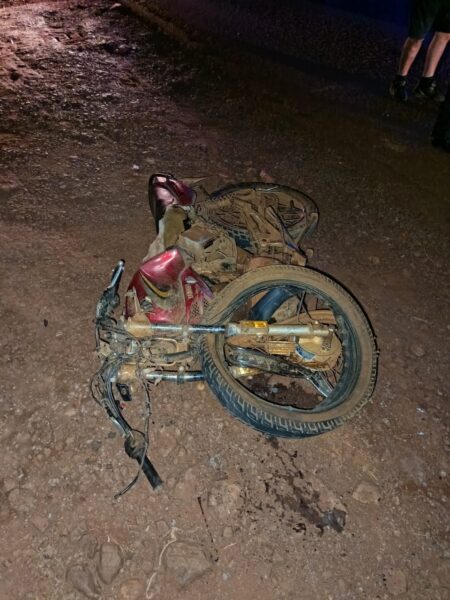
224,296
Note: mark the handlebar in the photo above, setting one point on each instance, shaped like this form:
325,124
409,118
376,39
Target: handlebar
110,299
116,276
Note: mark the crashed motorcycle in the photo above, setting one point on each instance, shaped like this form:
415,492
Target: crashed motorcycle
224,296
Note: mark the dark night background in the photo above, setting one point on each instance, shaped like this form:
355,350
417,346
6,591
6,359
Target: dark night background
392,11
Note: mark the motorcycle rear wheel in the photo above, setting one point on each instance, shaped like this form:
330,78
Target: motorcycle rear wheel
359,355
298,211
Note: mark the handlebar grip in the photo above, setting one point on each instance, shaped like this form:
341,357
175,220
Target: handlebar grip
136,450
151,473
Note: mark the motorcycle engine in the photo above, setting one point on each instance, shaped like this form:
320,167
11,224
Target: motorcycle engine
212,251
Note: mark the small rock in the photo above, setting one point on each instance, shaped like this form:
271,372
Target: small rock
264,176
132,589
414,467
110,561
83,581
335,519
181,454
95,445
9,484
136,168
109,97
5,512
367,493
417,350
226,499
162,528
171,482
89,544
168,439
215,462
186,488
277,557
124,49
69,441
396,582
77,533
22,500
186,562
227,532
7,188
40,522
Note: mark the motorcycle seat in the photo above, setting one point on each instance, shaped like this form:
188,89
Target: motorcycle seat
165,191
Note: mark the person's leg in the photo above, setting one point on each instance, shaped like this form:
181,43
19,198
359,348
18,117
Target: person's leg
410,50
427,88
423,13
435,52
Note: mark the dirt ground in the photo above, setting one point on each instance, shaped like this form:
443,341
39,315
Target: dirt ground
92,102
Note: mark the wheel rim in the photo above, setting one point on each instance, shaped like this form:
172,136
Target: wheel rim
296,397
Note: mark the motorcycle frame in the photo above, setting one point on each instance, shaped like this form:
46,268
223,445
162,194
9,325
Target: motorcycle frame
131,332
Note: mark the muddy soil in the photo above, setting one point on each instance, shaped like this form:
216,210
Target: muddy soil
93,101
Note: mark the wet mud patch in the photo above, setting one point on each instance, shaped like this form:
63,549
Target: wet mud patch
295,500
303,505
285,391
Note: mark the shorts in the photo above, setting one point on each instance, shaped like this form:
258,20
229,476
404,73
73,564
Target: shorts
429,15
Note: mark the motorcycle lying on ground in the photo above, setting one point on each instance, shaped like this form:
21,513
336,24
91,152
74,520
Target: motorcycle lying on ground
224,296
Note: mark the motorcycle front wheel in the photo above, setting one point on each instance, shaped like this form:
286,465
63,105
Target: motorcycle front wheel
340,372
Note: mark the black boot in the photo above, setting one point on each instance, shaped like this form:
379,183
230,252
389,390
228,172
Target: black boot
398,90
428,90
